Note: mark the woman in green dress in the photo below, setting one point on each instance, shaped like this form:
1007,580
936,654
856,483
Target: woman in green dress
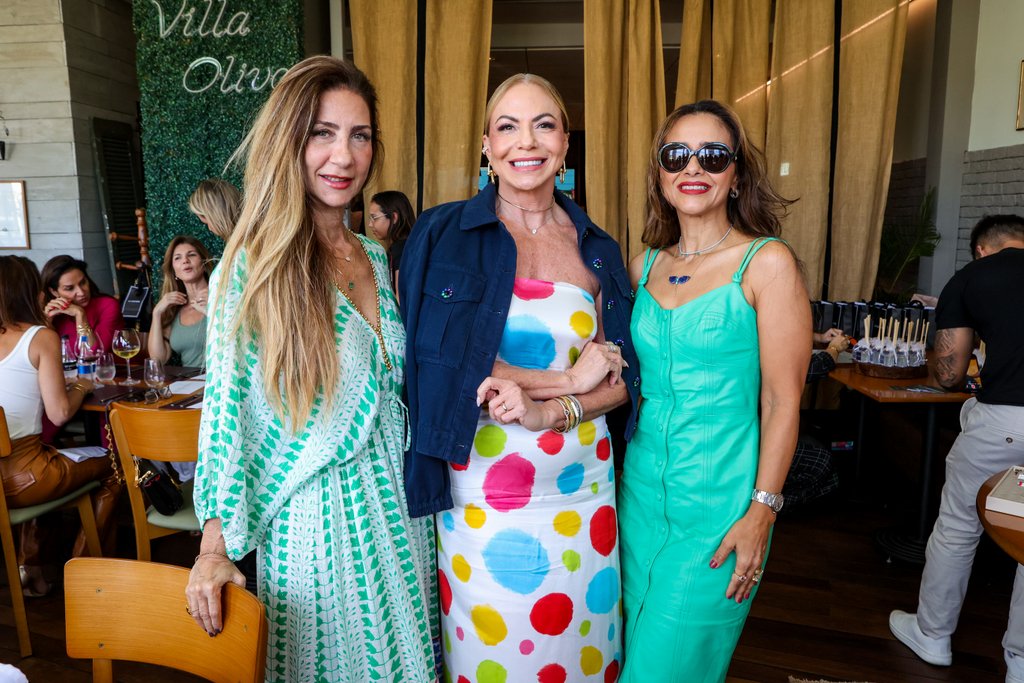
303,431
179,317
721,325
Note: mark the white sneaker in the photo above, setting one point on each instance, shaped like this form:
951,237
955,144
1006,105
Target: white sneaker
932,650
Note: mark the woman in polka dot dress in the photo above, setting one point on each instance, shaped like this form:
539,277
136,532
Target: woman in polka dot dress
528,551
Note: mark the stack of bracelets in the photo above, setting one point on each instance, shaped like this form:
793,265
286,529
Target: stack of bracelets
573,412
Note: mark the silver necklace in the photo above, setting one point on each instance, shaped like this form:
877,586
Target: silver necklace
523,208
679,246
533,231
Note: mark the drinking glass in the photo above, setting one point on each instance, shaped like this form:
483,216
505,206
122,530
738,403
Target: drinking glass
126,345
105,368
154,376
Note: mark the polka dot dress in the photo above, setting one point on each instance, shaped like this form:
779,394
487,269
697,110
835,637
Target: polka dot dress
528,557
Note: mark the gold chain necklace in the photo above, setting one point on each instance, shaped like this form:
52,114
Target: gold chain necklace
376,328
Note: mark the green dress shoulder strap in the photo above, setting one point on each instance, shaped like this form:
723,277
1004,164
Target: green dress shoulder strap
649,257
754,247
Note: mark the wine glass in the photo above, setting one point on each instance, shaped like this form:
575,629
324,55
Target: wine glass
154,376
126,345
105,368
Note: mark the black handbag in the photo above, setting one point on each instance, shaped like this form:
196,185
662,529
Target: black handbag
159,487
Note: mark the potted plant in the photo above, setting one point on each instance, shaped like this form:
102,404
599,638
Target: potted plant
902,246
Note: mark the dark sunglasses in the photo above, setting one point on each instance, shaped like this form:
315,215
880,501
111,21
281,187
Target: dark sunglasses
713,157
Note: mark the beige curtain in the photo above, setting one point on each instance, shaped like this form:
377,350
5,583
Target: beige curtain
694,80
870,59
604,64
740,64
645,109
624,74
799,135
384,47
457,62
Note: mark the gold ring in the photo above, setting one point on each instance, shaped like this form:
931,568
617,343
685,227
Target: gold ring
740,577
188,609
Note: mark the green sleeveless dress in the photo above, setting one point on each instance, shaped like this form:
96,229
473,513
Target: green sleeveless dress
689,471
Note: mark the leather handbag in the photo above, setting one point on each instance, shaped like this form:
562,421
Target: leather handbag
159,487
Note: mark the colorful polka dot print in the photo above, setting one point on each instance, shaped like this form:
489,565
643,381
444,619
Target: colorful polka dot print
528,557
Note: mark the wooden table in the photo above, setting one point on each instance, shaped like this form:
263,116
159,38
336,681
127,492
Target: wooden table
1006,530
907,547
174,374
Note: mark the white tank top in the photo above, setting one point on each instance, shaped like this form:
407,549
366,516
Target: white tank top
20,396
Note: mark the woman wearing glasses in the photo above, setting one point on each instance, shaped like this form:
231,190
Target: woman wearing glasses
390,221
722,329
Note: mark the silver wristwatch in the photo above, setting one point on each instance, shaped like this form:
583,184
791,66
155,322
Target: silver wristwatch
772,500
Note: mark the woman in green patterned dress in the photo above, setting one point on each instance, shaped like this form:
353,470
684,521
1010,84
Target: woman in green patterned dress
303,432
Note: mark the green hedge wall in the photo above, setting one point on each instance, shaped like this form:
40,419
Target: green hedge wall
205,67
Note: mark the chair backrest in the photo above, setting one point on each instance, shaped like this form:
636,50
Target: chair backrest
135,611
156,434
5,436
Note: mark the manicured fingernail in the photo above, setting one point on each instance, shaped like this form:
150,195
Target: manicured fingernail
478,401
714,565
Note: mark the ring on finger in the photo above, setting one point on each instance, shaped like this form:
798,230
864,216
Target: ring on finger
740,577
612,346
188,609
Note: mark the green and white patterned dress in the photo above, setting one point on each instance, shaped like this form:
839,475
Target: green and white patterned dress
347,576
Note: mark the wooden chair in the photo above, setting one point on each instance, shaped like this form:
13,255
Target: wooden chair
9,517
135,611
154,434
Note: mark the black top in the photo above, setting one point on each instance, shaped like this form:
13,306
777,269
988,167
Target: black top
395,257
987,296
821,365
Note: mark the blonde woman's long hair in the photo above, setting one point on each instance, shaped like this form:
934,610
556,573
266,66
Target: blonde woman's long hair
218,202
289,297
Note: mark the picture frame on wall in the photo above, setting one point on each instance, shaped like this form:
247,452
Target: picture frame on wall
13,215
1020,99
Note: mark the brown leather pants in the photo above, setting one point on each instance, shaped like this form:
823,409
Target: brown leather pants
35,473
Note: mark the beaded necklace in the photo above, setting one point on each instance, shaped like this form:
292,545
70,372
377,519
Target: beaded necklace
376,328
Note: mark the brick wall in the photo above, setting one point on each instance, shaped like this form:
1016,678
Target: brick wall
906,190
993,183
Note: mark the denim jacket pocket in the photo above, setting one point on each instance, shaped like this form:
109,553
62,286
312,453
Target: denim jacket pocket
451,300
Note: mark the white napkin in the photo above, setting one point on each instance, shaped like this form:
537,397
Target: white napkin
78,455
186,386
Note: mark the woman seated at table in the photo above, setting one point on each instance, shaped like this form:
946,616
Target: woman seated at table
216,204
31,382
179,317
77,307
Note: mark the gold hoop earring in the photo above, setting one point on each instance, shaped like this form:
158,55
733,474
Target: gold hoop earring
490,173
561,173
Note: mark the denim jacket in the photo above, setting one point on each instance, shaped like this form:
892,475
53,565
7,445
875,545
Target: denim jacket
456,283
